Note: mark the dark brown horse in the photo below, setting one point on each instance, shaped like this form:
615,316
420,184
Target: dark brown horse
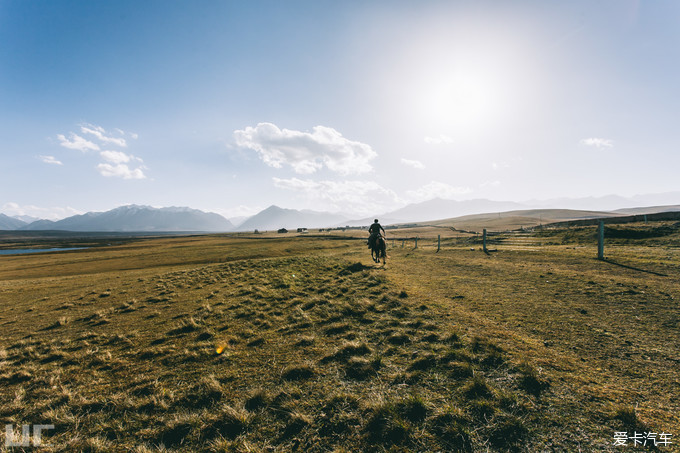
379,250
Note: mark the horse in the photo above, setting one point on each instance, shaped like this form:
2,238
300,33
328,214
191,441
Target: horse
379,249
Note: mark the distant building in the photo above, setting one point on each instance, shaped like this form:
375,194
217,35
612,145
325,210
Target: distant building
302,230
282,230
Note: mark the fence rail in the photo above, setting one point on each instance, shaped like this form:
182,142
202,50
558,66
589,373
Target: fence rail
556,234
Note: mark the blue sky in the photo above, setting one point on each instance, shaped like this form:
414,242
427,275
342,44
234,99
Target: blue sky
353,106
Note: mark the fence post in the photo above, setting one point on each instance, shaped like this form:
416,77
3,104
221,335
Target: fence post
416,241
600,240
439,242
484,240
402,243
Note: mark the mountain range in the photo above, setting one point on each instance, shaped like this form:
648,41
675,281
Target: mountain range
140,219
25,218
10,223
134,218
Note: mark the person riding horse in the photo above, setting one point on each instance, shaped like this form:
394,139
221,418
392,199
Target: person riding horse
374,231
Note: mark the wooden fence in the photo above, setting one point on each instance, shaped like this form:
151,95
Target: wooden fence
529,239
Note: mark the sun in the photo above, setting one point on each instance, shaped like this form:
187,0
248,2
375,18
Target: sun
460,100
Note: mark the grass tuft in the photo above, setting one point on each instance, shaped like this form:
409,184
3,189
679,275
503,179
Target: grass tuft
530,381
423,363
298,372
414,409
384,426
296,422
477,388
452,431
398,339
360,369
507,431
628,418
228,423
257,400
186,326
347,350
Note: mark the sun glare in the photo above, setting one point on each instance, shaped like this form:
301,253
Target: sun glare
460,101
463,82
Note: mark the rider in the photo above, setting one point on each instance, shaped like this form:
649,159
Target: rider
374,230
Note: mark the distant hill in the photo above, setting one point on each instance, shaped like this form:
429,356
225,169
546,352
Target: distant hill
556,209
366,221
608,202
41,224
274,218
139,218
648,210
511,220
438,208
10,223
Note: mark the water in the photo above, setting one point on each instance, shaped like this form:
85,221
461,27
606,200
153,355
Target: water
23,251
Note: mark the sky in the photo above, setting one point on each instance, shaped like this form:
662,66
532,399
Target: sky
359,107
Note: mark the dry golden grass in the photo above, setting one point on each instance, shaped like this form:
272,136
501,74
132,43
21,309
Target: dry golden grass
220,343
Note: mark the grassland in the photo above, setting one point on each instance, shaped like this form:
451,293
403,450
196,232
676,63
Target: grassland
228,343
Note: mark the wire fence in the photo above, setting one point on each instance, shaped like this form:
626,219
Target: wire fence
493,240
593,235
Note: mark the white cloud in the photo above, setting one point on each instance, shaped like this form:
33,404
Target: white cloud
132,135
53,213
121,171
50,160
436,189
490,184
413,163
306,152
77,142
100,133
118,157
599,143
115,164
360,197
442,139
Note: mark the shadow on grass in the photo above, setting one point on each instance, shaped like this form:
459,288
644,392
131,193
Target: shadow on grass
356,267
606,260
